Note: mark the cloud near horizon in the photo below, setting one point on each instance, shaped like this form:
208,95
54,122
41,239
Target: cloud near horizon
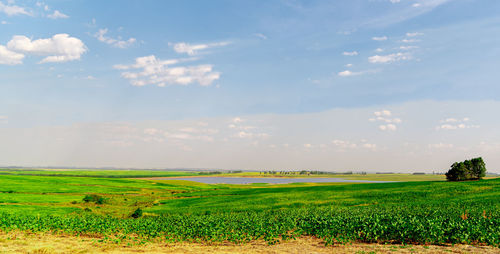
330,140
153,71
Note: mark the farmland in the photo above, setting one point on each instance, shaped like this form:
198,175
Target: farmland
414,212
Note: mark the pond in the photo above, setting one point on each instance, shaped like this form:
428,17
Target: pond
273,180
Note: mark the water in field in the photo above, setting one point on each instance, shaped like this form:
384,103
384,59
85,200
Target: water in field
272,180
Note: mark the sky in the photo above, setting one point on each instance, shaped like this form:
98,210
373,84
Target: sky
354,85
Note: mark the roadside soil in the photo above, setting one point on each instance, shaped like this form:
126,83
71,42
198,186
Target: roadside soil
48,243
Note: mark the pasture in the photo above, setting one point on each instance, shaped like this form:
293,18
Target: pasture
412,212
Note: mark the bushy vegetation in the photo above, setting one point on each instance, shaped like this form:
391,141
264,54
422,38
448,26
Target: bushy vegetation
473,169
94,198
362,224
137,213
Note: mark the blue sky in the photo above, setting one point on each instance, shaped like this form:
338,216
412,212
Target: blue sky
248,84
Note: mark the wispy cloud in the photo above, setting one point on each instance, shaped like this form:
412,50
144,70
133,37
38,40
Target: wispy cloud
118,43
262,36
348,73
456,124
395,57
409,40
414,34
13,10
350,53
57,15
152,70
382,38
193,49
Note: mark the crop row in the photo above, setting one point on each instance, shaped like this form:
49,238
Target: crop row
361,224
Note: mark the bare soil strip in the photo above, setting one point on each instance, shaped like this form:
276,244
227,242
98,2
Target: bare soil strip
47,243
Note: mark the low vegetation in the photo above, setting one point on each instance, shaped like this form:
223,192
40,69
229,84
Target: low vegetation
401,212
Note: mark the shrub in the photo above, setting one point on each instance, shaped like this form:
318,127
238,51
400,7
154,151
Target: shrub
94,198
473,169
137,213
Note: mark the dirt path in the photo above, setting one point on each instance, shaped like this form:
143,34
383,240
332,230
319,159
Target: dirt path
19,242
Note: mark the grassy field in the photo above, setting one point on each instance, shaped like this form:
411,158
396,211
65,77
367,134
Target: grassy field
158,173
416,212
97,173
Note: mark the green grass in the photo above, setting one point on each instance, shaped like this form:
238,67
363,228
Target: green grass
408,212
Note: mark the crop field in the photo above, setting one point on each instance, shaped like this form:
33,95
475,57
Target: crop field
120,209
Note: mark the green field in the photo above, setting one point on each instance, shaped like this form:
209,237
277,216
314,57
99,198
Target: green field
97,173
417,212
159,173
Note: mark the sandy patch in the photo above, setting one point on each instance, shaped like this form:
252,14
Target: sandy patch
47,243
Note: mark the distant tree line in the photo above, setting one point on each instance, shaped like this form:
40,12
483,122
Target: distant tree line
473,169
306,172
219,172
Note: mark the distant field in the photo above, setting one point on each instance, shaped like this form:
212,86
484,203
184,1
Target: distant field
158,173
96,173
370,177
402,212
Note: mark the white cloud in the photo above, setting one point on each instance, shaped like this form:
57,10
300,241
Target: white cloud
414,34
369,146
12,10
159,72
389,58
262,36
384,116
456,127
59,48
9,57
4,22
379,50
237,120
352,53
449,120
382,38
192,49
4,119
409,40
250,135
183,134
344,144
57,15
394,1
118,43
348,65
151,131
407,47
388,127
456,124
347,73
383,113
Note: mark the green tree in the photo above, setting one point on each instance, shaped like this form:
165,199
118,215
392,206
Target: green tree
473,169
478,168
